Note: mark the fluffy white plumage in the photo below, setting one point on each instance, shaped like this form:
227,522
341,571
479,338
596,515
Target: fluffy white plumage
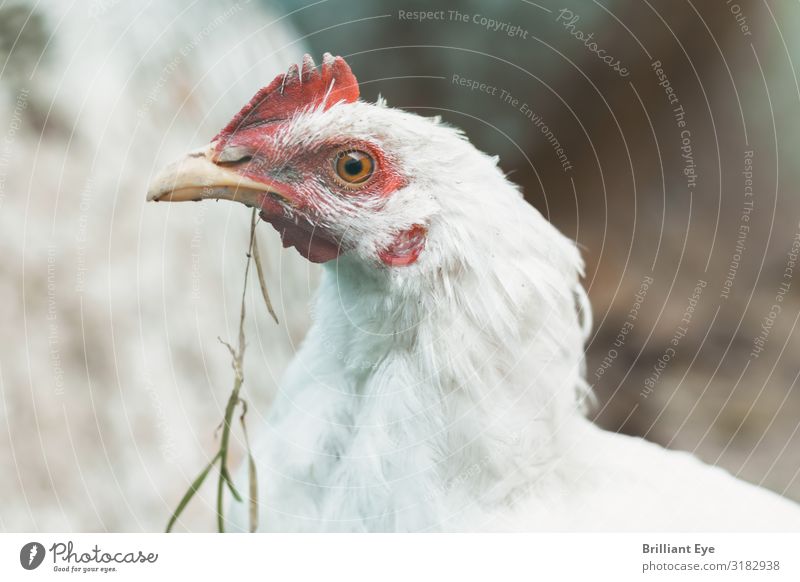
449,394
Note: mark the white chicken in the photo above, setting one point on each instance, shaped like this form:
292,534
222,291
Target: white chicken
441,385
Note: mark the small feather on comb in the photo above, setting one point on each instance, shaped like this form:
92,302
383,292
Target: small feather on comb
297,89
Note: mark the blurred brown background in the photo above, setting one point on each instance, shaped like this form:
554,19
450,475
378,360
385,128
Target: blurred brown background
112,381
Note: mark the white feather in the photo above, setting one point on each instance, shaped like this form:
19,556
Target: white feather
448,395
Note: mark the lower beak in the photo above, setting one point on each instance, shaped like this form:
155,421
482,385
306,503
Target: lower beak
197,177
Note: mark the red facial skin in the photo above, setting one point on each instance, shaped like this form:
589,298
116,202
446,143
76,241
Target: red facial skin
306,181
406,248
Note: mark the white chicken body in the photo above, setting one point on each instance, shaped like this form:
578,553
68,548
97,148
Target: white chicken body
448,394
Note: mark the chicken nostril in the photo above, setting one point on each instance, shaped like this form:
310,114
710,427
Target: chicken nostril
234,155
242,160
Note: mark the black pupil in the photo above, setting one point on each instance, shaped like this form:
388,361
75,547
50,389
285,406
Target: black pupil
353,166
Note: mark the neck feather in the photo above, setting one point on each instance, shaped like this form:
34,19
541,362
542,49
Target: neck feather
455,378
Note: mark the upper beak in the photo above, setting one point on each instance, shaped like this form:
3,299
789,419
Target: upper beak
197,177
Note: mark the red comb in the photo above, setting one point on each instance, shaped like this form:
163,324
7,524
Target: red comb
296,90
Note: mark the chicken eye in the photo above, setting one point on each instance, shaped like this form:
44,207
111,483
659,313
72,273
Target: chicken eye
354,167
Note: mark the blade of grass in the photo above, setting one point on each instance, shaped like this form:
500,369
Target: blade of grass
261,282
238,359
229,482
190,493
251,471
223,449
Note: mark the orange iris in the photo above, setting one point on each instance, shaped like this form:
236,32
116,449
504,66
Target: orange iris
354,167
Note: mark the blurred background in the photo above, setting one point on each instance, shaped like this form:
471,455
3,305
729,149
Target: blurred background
660,135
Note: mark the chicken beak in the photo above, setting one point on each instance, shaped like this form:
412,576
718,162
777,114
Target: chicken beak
197,177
